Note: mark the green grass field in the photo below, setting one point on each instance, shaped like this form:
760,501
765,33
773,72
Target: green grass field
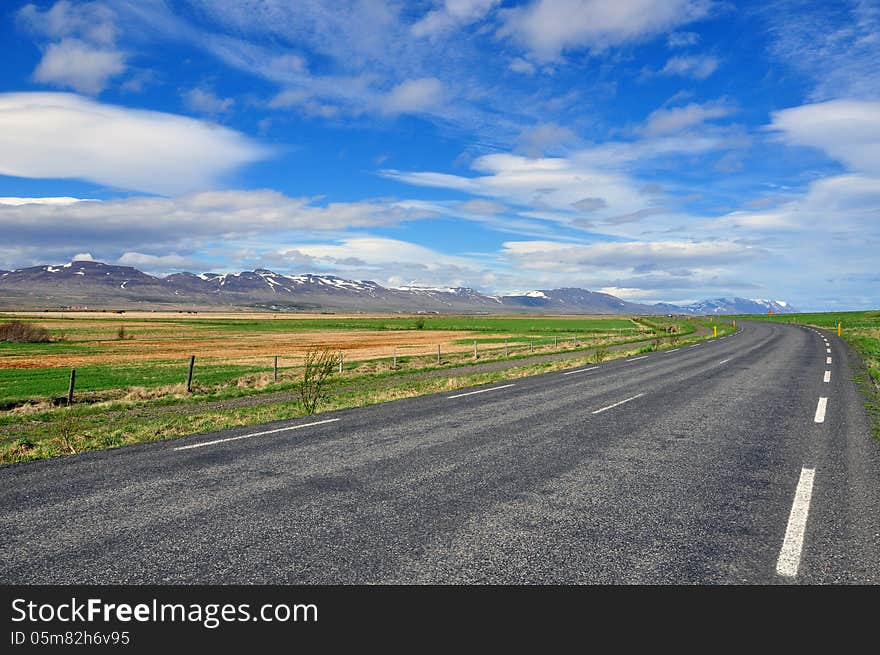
20,384
193,326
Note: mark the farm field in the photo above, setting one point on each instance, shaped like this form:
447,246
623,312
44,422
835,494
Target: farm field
131,389
120,352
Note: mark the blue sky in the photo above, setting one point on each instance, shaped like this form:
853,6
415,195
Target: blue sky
658,150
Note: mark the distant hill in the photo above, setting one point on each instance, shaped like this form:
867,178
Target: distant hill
95,285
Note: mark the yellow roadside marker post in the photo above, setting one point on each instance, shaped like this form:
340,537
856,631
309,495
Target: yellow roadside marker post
715,330
838,329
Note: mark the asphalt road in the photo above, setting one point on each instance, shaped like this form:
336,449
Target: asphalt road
706,464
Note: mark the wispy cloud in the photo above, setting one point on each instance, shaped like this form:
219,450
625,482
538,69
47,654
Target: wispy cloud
698,67
670,120
549,27
833,45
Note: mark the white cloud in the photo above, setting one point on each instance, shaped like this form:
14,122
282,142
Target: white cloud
391,262
548,27
553,187
669,120
846,130
139,223
682,39
93,21
77,65
205,101
82,54
479,206
62,200
520,65
452,14
159,264
828,235
635,255
83,257
545,137
414,96
697,66
57,135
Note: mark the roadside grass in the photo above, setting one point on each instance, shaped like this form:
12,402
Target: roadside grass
78,429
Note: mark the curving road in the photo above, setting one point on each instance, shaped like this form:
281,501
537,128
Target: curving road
718,463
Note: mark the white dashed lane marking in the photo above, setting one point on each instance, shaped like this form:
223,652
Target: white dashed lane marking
790,554
617,404
256,434
581,370
472,393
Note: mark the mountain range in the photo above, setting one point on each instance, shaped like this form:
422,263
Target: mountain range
95,285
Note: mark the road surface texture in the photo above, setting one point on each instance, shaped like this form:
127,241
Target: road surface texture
746,459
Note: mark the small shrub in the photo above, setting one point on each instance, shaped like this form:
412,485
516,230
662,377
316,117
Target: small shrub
600,354
120,333
657,341
420,324
20,332
317,369
67,432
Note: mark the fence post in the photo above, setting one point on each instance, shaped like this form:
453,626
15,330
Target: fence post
475,348
70,388
556,343
189,374
505,347
340,362
438,354
275,369
574,341
394,352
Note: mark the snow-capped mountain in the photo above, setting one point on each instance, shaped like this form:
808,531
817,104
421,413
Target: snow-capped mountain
97,285
739,306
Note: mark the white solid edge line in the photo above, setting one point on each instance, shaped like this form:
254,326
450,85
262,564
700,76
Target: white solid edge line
635,358
789,560
256,434
599,411
581,370
471,393
827,360
673,350
695,345
820,410
827,377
